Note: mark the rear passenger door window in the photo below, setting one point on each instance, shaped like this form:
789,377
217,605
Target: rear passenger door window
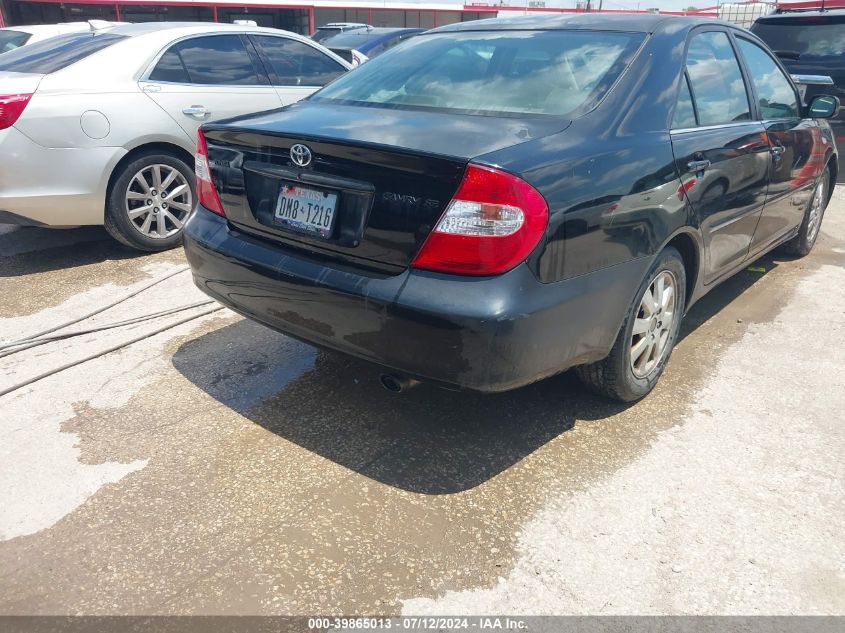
221,60
776,97
716,80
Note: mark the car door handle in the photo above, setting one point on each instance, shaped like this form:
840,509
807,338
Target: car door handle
698,165
198,111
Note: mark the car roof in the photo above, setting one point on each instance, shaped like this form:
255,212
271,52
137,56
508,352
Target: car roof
797,15
188,28
369,37
387,30
639,22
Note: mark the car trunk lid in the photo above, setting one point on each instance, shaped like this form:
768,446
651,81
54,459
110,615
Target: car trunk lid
393,172
19,83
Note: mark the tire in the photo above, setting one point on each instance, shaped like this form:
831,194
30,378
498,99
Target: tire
142,216
808,233
628,374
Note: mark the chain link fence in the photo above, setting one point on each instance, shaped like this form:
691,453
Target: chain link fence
744,13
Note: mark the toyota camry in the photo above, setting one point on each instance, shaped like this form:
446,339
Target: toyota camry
495,202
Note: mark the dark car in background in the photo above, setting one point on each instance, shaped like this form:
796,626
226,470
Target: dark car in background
333,28
359,45
494,202
811,43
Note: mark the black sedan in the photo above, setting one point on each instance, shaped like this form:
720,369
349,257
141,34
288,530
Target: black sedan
497,201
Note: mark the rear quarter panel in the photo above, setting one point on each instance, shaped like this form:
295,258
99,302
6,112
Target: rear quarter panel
54,118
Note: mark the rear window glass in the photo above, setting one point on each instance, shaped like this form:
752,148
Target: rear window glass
10,40
812,38
55,53
323,34
351,39
501,72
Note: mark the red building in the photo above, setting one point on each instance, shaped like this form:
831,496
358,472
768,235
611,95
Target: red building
301,16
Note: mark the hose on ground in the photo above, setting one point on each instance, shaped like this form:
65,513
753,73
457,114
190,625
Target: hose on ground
25,344
61,326
108,350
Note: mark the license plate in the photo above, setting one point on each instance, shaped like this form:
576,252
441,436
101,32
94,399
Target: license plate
306,210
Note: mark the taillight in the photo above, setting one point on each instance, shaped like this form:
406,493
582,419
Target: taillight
11,107
206,191
494,221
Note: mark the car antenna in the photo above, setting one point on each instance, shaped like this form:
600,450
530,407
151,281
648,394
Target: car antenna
98,25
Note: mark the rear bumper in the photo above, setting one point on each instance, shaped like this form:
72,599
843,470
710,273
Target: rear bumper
44,186
483,334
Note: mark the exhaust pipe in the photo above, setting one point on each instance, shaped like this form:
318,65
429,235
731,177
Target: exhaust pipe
397,383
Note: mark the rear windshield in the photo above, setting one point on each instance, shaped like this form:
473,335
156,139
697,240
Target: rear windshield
816,38
10,40
322,34
493,73
351,39
55,53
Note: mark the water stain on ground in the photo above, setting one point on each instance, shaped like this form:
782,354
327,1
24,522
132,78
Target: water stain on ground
39,270
284,480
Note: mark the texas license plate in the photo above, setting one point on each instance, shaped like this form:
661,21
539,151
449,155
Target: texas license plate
306,210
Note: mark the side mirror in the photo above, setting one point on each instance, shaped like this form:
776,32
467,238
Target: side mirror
823,107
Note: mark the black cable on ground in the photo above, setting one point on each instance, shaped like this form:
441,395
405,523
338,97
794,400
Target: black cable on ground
26,344
61,326
113,348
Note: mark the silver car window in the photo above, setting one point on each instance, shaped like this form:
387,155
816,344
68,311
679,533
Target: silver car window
220,60
10,40
56,53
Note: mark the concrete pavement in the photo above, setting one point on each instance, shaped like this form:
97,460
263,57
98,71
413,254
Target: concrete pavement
219,467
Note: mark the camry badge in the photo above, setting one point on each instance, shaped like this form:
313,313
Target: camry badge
300,155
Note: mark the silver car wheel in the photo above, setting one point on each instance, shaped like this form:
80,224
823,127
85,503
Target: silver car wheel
158,201
653,324
814,221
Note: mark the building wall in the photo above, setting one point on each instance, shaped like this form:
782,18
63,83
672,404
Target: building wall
291,19
396,18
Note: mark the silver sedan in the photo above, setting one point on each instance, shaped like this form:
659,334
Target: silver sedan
100,128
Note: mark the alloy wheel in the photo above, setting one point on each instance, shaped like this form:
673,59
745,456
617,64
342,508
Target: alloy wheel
653,324
814,220
158,201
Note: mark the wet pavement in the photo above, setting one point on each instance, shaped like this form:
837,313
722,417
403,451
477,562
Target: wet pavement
220,467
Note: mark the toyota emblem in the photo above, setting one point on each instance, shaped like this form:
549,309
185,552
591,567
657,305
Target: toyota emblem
300,155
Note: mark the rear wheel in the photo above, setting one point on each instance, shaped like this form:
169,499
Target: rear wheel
149,202
803,243
647,336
